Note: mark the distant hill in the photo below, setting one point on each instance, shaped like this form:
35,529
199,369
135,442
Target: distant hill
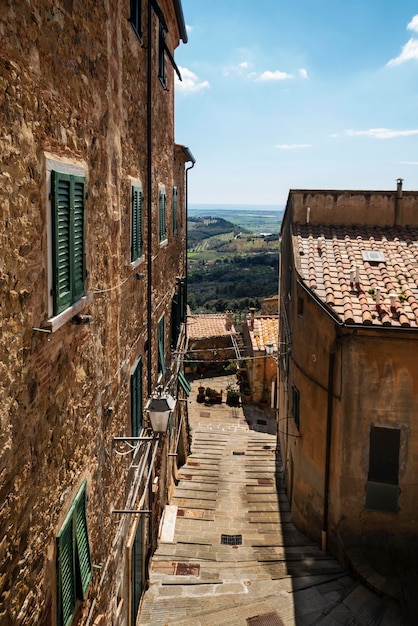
200,228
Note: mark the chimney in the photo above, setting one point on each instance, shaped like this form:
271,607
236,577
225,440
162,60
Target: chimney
398,202
251,320
228,320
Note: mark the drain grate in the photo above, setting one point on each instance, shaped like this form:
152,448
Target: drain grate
267,619
231,540
237,453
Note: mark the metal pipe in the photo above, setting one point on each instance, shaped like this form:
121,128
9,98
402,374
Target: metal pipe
186,193
149,198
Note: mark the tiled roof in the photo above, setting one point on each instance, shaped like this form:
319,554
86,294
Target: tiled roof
203,326
360,288
266,330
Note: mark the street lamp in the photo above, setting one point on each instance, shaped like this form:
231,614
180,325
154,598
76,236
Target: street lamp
159,408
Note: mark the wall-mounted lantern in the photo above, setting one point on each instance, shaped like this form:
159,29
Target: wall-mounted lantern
159,408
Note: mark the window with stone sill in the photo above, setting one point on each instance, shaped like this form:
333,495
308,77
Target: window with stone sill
162,215
137,199
74,568
135,17
66,241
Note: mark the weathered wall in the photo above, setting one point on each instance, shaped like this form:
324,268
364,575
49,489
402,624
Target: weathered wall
353,207
374,384
73,85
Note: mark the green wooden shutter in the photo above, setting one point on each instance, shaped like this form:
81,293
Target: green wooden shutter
82,543
61,221
78,239
136,398
136,237
162,215
68,244
161,360
174,209
66,581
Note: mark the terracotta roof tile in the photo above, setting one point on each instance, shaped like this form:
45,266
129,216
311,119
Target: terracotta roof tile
332,265
203,326
265,330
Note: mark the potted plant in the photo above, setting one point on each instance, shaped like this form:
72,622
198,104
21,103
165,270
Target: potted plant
246,393
263,400
232,397
201,397
214,397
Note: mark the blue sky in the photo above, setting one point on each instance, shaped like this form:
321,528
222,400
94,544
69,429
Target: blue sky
315,94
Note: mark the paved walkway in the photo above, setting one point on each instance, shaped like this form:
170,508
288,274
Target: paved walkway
229,554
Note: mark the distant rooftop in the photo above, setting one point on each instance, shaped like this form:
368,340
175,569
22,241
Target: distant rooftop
262,330
213,325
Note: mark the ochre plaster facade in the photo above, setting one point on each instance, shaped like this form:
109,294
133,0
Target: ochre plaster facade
339,381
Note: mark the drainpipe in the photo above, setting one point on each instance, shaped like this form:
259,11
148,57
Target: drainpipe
193,161
398,201
149,198
331,370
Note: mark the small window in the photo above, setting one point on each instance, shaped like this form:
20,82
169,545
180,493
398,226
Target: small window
136,222
162,221
175,225
300,306
74,570
295,405
382,489
161,55
136,398
161,359
136,17
68,199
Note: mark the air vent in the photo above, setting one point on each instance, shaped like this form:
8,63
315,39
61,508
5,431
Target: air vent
231,540
373,256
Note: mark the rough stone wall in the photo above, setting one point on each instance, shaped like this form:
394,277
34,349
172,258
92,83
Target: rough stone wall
73,85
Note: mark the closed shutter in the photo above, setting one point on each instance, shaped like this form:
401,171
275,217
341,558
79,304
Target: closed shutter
136,399
136,236
61,220
68,222
79,264
174,210
162,215
66,575
161,360
82,543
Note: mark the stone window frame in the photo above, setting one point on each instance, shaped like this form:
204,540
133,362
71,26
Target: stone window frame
74,568
135,17
162,215
75,168
136,250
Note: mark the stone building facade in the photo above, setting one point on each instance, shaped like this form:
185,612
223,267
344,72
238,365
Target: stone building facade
347,373
92,197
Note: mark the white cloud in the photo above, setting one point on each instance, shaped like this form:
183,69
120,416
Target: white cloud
413,24
303,73
409,51
276,75
292,146
382,133
190,82
408,162
239,69
189,28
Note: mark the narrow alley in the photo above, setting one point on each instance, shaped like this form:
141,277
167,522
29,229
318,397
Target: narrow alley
228,552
